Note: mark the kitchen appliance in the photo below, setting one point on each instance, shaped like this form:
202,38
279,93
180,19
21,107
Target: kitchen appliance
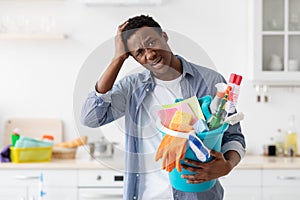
102,148
100,184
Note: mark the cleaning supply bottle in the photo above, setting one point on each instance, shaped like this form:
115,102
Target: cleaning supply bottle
221,87
291,138
14,137
216,120
235,82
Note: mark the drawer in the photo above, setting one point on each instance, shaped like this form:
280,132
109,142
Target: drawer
281,178
242,177
31,177
100,178
100,193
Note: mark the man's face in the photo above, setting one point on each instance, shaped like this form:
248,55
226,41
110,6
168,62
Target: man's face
151,50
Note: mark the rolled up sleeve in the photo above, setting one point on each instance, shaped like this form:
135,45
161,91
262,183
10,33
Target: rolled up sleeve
99,109
233,139
93,110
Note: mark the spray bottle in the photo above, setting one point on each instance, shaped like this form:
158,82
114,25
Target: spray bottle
235,82
221,87
15,136
217,119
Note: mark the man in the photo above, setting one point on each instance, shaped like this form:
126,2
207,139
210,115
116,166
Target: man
167,76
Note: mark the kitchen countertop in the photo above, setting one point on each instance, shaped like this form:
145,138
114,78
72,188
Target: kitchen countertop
82,161
117,163
269,162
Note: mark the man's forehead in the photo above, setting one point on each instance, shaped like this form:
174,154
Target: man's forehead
144,32
141,35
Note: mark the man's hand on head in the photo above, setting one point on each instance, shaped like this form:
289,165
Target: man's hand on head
120,50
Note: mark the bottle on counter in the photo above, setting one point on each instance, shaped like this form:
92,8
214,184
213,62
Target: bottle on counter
269,149
291,138
15,136
272,147
279,142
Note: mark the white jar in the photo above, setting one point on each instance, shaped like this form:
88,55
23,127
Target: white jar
293,65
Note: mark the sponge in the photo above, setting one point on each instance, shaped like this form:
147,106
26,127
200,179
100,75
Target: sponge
166,115
193,104
184,107
181,121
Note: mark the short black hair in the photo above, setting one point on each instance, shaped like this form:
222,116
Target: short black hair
137,22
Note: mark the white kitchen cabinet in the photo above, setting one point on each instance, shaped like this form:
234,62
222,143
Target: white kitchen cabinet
281,193
276,42
242,184
13,193
100,184
281,184
100,193
24,184
54,192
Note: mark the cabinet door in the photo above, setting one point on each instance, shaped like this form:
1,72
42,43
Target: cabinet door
51,193
100,193
284,178
13,193
281,184
58,184
100,184
242,184
276,42
280,193
14,183
242,193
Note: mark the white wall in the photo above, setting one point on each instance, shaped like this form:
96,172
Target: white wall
37,77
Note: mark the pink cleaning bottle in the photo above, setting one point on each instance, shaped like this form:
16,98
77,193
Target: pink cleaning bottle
235,82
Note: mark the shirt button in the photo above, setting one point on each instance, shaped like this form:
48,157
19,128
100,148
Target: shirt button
137,107
137,175
147,90
134,197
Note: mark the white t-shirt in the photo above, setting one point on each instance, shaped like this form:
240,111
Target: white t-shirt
157,184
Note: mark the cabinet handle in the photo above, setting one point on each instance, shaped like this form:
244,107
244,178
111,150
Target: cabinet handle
288,177
101,196
22,177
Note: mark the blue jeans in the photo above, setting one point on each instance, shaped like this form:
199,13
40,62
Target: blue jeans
215,193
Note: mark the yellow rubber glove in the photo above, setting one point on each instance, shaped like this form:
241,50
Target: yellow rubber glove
171,150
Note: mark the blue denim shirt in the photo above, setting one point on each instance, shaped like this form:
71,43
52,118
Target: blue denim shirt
125,99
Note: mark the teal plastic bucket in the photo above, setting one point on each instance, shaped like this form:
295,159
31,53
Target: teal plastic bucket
212,140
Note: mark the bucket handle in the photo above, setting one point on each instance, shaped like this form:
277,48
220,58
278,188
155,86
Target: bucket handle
168,131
